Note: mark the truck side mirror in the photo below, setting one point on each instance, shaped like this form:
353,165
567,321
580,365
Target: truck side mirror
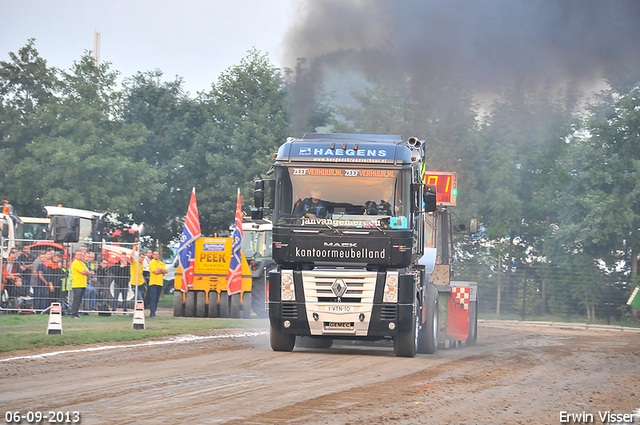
258,200
258,193
430,204
272,193
473,226
5,230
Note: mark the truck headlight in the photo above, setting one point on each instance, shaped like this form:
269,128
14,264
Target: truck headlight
391,288
287,290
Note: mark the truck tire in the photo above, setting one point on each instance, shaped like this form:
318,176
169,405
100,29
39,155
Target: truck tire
178,307
190,304
235,305
281,341
428,335
258,297
473,323
201,304
246,305
224,304
405,344
213,304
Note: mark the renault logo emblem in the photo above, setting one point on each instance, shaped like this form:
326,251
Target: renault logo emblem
339,288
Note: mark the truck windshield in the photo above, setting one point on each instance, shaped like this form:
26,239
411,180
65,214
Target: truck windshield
352,197
257,244
32,231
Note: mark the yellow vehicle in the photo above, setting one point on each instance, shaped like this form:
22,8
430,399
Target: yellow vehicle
209,297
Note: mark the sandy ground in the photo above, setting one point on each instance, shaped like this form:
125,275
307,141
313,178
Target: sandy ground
516,374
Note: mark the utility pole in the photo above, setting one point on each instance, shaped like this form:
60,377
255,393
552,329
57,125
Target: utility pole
96,48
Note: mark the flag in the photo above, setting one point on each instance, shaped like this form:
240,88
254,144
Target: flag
234,277
187,250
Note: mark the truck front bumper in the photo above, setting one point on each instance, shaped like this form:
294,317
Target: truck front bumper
349,321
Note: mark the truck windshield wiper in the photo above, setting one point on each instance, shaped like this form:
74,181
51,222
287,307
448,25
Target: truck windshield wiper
334,230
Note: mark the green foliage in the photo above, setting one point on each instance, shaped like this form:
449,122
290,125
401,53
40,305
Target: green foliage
75,138
236,146
171,119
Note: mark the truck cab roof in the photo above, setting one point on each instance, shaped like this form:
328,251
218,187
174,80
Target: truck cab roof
348,148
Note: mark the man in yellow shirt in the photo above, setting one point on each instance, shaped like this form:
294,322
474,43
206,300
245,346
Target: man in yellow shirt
79,273
137,278
157,270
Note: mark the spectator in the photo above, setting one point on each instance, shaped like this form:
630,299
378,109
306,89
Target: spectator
121,272
54,275
79,273
137,278
90,293
145,272
41,287
102,285
10,277
26,265
157,271
66,277
33,282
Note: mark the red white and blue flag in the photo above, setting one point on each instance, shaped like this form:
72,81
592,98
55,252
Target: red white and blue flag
187,250
234,277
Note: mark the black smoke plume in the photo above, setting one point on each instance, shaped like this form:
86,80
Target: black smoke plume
478,45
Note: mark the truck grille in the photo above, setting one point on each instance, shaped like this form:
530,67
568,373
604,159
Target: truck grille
388,312
360,286
289,311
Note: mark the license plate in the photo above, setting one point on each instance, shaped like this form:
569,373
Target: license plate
342,326
338,308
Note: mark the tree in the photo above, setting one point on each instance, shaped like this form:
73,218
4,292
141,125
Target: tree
248,122
26,84
82,156
601,206
172,120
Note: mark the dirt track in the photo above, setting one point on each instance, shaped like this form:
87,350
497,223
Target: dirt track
514,375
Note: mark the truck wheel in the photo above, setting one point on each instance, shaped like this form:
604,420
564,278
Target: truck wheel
224,304
473,323
405,344
246,305
281,341
177,304
235,306
213,304
258,297
428,335
190,304
201,304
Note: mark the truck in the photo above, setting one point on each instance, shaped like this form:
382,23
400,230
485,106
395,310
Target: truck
71,226
8,227
363,247
209,297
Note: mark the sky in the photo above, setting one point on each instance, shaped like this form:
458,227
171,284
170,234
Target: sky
194,39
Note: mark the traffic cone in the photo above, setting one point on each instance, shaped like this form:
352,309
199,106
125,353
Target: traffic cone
55,320
138,315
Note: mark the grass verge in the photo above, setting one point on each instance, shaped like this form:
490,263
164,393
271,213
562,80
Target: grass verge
563,319
21,332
